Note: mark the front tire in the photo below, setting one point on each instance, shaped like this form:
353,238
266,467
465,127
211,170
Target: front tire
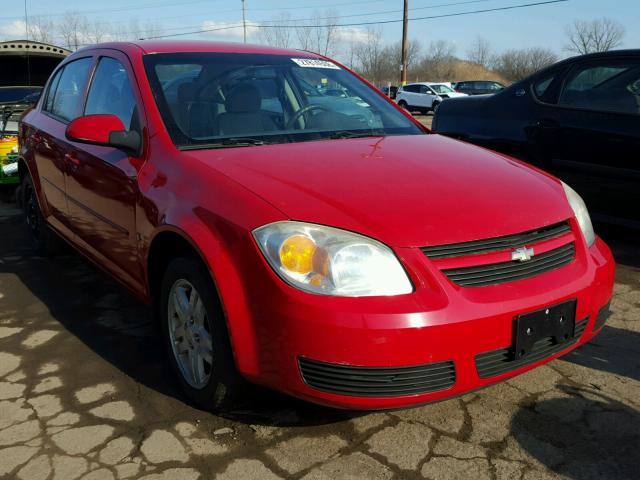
434,106
195,335
43,240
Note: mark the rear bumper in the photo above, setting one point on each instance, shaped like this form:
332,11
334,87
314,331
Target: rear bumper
439,326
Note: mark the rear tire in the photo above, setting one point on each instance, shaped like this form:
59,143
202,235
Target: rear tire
195,336
43,240
404,105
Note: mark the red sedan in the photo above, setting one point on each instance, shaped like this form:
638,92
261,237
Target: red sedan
324,245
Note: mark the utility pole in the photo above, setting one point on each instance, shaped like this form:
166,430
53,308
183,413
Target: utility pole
405,44
244,23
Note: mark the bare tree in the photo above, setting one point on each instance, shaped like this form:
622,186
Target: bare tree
480,51
278,32
593,36
73,29
370,56
41,29
98,31
439,61
516,64
325,32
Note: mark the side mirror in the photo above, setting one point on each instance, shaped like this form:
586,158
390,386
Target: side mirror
105,130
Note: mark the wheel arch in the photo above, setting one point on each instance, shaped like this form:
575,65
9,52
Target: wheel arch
172,241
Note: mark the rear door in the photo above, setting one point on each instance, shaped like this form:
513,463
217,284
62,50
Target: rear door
597,136
61,104
101,181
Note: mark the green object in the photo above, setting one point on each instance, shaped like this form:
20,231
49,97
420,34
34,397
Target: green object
12,179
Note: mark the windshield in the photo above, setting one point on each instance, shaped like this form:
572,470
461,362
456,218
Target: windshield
441,88
214,99
15,94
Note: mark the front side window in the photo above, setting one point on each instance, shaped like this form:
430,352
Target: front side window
604,86
222,98
69,91
111,92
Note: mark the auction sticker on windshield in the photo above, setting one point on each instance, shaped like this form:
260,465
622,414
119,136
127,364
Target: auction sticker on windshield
314,63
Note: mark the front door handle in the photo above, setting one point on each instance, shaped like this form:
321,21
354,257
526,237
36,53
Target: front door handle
547,123
73,159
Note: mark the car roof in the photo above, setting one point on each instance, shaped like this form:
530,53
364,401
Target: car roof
187,46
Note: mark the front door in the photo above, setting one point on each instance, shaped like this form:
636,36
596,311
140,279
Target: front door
101,183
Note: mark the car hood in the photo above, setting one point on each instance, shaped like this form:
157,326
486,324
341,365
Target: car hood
406,191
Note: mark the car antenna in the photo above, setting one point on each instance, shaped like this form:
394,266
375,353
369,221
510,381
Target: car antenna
26,32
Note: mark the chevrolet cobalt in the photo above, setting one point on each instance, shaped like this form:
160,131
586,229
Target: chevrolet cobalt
329,247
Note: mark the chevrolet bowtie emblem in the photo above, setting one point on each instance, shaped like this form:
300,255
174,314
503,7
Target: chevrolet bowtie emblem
522,254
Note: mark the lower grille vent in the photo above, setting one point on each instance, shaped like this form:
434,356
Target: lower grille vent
377,382
497,362
602,317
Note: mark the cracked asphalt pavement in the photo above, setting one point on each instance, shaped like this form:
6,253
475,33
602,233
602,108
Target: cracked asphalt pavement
85,393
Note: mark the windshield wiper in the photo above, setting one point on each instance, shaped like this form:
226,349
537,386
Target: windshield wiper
355,134
226,143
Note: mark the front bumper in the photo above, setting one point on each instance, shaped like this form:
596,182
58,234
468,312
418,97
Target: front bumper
439,325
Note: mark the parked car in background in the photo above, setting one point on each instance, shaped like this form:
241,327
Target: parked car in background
579,119
25,67
478,87
351,259
425,96
389,91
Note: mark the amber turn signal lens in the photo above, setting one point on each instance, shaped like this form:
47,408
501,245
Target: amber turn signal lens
296,254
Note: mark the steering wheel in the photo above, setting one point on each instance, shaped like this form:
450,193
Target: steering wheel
301,112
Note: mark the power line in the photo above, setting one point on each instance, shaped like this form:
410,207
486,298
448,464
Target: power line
368,14
359,24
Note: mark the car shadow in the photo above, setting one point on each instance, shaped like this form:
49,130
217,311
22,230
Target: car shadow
614,350
581,434
122,330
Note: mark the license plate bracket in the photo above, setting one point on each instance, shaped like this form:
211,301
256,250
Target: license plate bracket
557,321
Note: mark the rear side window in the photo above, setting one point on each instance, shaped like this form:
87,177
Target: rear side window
610,86
412,88
111,92
51,92
68,95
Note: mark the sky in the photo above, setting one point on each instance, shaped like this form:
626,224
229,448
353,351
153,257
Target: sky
536,26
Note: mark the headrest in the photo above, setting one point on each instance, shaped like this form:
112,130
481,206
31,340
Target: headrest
187,92
243,98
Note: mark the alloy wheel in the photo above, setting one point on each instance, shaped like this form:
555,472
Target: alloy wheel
190,334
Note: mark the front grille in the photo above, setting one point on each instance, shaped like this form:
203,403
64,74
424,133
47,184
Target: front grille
377,382
602,317
497,244
496,362
495,273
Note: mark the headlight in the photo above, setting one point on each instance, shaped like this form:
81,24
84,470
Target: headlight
330,261
581,213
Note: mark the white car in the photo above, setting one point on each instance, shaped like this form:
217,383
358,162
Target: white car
425,96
